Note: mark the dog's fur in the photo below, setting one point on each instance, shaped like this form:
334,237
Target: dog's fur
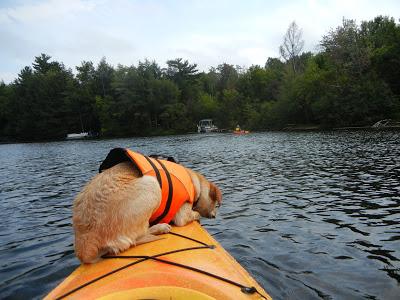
112,211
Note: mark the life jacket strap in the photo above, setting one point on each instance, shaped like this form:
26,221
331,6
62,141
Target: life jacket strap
158,175
170,195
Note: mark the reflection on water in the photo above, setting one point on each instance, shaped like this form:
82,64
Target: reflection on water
310,215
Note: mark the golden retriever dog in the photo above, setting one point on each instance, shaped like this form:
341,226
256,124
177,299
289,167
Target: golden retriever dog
113,210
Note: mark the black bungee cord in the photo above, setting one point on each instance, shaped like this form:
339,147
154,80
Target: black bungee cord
142,258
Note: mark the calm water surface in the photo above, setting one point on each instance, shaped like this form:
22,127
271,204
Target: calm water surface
310,215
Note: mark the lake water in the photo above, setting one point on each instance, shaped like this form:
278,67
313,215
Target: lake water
309,215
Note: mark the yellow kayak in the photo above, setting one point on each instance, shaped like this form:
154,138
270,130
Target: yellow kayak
185,264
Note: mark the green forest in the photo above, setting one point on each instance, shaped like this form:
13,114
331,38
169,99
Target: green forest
353,79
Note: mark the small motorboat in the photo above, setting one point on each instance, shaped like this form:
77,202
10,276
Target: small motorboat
77,136
206,125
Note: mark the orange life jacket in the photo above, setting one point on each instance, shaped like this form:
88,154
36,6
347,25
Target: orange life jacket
175,183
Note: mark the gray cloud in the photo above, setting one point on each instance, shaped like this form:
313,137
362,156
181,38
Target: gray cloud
205,32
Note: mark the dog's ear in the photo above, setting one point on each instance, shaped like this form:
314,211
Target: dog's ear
215,193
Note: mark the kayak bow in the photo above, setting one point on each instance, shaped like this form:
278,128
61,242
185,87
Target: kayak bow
185,264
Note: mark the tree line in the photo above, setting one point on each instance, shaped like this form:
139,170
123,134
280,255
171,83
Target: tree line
352,80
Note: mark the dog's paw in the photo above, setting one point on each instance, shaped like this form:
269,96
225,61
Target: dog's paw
165,228
196,216
160,228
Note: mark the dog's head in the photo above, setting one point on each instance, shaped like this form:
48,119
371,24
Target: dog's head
208,196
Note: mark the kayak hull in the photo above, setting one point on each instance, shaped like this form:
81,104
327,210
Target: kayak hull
162,277
241,132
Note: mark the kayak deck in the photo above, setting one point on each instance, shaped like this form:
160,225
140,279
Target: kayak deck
165,269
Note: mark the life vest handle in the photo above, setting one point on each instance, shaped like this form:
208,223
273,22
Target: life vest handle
165,157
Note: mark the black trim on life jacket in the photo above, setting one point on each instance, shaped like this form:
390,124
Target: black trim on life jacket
170,195
114,157
158,175
119,155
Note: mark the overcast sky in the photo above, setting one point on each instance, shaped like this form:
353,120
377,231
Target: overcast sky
204,32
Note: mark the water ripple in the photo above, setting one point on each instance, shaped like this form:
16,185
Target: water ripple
310,215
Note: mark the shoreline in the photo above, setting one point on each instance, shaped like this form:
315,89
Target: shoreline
286,129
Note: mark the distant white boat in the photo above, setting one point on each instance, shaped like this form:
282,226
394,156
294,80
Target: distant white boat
206,125
386,124
78,136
